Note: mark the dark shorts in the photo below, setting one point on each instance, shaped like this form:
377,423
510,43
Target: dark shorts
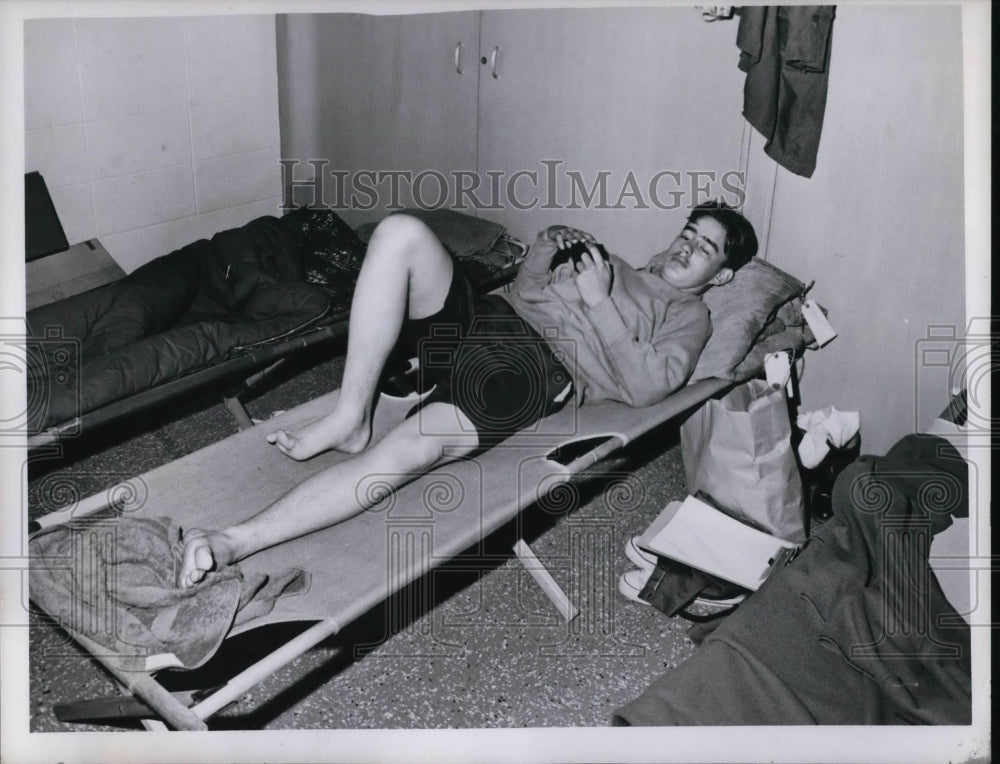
483,358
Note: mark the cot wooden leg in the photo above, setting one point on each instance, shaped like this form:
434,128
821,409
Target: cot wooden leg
545,580
143,686
239,412
264,668
170,709
173,710
235,405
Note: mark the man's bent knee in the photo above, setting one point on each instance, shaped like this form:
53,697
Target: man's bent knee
415,249
405,230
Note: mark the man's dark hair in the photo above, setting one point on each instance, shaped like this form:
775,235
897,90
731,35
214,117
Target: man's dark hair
741,241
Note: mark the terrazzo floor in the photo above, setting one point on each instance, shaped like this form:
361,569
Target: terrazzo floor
471,646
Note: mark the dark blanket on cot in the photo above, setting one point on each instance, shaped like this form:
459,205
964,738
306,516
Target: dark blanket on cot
856,630
178,313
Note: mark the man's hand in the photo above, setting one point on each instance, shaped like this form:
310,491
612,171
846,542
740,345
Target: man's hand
564,235
593,277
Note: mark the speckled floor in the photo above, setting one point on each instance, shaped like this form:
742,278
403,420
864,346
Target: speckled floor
465,648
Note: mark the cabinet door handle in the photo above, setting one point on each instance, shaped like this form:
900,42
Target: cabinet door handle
458,57
494,57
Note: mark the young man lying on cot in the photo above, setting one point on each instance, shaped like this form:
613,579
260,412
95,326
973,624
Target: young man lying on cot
635,336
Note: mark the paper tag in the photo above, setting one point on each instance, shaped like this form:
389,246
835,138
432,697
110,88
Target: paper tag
818,324
778,371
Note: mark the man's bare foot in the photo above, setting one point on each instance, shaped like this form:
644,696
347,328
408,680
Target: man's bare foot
204,551
334,431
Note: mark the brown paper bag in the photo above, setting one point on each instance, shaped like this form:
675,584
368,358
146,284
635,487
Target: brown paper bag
738,452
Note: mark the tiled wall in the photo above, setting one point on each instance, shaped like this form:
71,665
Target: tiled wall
153,132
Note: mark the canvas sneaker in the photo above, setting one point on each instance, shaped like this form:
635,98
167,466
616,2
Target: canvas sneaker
631,583
639,557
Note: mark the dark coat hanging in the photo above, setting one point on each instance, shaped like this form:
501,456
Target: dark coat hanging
785,52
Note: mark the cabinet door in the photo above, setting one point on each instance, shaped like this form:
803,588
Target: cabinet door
652,94
380,94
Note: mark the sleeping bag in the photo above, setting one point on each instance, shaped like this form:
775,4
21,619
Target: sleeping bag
186,310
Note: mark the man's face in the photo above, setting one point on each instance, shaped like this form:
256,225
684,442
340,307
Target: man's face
694,261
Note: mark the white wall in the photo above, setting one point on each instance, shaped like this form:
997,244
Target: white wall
880,224
153,132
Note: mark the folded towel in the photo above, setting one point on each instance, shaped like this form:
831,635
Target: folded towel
114,581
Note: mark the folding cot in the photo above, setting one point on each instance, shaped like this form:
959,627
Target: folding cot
359,563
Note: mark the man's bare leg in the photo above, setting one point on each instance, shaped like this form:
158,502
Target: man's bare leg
406,272
332,496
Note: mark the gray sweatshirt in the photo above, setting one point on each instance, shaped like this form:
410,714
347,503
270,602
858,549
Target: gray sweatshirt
636,346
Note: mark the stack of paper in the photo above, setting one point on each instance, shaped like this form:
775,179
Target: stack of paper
699,535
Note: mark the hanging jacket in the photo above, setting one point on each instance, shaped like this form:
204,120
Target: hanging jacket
785,52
